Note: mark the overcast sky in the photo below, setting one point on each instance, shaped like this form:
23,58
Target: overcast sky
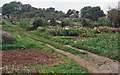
65,5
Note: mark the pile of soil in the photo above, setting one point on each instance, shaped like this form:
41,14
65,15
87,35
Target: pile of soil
28,56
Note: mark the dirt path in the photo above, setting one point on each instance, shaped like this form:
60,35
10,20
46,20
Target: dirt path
102,64
99,64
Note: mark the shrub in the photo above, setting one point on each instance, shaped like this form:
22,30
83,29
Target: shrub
52,21
102,21
86,23
7,38
73,32
66,23
38,22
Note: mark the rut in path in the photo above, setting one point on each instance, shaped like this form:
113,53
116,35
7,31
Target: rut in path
98,65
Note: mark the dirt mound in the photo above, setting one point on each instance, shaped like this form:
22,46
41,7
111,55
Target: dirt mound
28,56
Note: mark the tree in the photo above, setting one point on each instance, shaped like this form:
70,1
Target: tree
16,8
11,7
51,9
114,17
92,13
77,12
72,13
19,10
69,12
26,8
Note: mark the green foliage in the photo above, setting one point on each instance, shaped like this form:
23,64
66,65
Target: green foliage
38,22
11,7
102,21
56,45
23,24
70,67
69,12
64,67
72,14
66,23
3,23
92,13
86,23
71,32
21,42
105,44
53,21
114,17
105,30
19,10
52,38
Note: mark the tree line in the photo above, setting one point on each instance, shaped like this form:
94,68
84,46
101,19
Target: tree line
88,13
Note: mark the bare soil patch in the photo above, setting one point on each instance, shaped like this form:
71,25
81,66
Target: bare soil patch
28,56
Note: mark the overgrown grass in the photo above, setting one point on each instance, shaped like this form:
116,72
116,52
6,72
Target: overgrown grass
105,44
101,44
65,67
54,44
23,41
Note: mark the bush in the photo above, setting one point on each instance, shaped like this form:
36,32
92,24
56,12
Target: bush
52,21
86,23
66,23
102,21
7,38
39,22
73,32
